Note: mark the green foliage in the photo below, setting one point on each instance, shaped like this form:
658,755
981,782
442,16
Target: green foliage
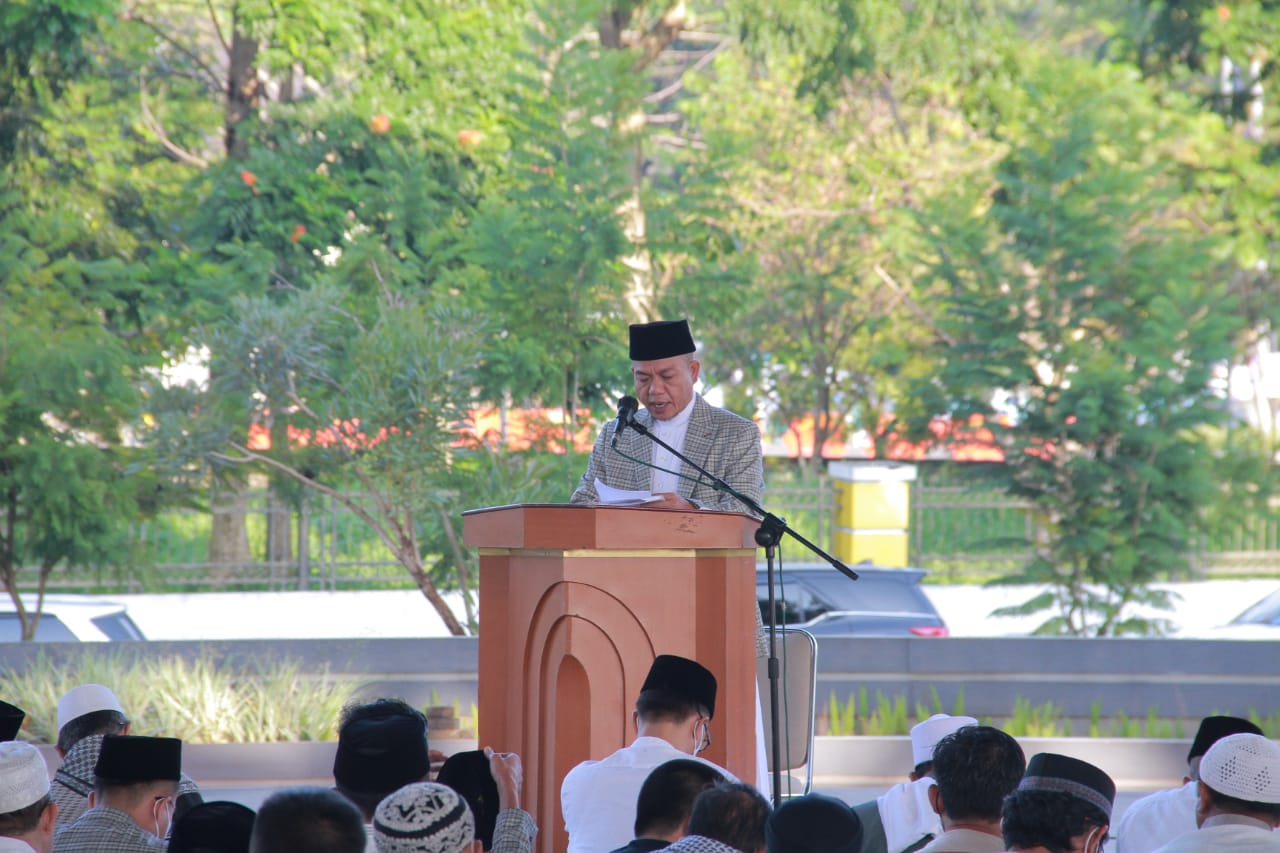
200,700
1076,288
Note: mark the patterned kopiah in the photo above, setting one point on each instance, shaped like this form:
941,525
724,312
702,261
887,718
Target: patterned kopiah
424,817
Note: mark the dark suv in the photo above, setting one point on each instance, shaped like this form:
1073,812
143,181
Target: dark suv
882,602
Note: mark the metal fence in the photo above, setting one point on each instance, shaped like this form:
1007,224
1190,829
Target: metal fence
958,532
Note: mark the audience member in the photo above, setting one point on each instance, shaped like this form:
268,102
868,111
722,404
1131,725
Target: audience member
974,769
1239,799
428,817
489,782
1153,821
27,815
86,713
1062,805
813,824
902,819
382,746
728,817
11,717
131,806
673,720
218,826
666,801
307,820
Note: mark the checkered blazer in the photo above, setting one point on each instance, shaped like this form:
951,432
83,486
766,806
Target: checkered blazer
720,441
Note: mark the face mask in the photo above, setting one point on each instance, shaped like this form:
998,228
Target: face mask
162,806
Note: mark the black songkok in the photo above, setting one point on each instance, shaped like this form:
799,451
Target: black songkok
218,826
468,773
684,678
11,717
1214,729
813,824
377,754
1047,771
128,759
663,339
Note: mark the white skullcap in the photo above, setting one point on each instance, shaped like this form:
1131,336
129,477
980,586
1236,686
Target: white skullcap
926,734
1244,766
86,699
24,777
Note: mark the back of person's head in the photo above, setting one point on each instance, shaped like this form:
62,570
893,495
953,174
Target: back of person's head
813,824
425,817
676,689
976,767
88,709
732,813
218,826
382,746
307,820
1059,799
24,789
1241,775
666,797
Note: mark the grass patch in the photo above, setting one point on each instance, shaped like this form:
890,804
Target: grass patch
200,700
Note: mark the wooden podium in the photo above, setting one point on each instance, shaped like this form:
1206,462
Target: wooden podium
576,601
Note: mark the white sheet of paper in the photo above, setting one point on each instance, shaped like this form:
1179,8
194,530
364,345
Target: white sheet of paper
610,496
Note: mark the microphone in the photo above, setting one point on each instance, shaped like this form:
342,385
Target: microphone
627,407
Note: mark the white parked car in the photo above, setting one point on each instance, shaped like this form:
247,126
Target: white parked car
70,619
1261,621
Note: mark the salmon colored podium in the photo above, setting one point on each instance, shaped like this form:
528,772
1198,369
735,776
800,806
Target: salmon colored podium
576,602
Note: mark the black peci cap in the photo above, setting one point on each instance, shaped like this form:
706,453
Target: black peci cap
682,677
11,717
126,759
468,773
813,824
663,339
218,826
381,754
1214,729
1047,771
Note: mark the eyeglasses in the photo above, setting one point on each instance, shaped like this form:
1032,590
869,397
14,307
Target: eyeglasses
705,743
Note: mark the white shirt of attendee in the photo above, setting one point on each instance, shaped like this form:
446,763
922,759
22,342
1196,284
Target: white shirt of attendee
906,812
598,798
1238,799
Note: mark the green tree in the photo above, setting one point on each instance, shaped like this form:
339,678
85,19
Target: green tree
1077,288
370,394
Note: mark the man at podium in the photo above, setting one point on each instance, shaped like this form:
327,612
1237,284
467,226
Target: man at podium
664,370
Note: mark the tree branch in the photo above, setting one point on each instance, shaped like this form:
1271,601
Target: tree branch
153,124
214,79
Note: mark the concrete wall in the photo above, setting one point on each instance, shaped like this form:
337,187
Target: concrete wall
1177,678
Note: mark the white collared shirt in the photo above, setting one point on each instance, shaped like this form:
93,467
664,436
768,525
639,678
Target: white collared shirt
672,431
598,798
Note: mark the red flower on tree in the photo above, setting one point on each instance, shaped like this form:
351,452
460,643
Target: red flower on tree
298,231
249,178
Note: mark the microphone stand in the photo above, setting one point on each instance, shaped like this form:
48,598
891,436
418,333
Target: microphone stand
768,535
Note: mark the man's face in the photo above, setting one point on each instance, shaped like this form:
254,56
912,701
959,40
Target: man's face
665,386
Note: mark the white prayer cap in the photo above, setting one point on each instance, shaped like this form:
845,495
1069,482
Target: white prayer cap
86,699
1244,766
24,777
926,734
